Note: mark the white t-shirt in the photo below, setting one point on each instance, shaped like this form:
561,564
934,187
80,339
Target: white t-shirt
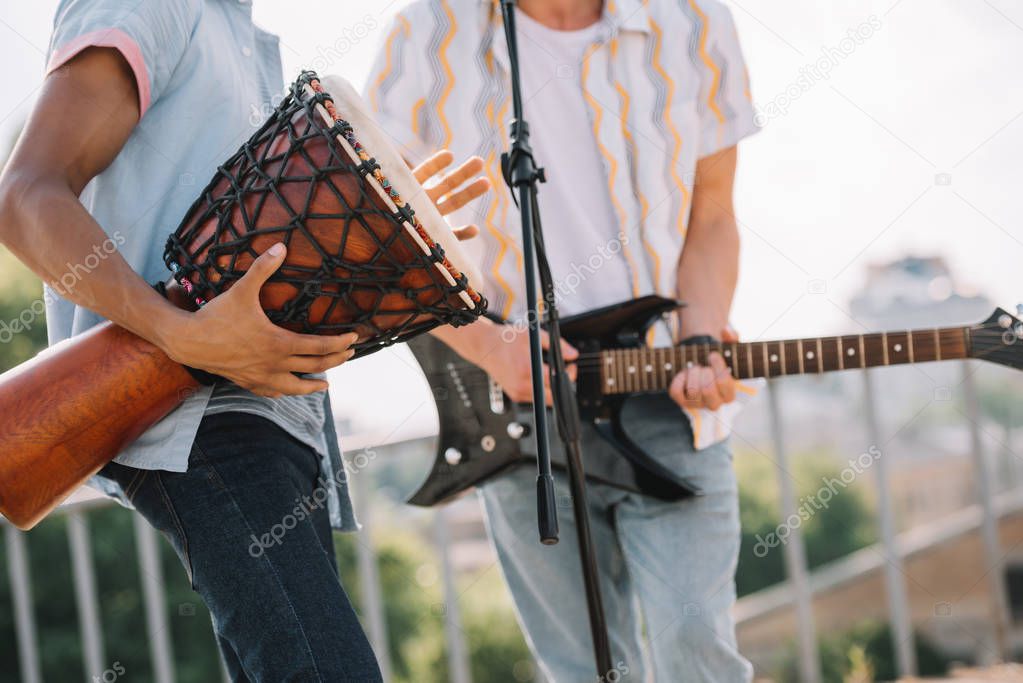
688,96
579,222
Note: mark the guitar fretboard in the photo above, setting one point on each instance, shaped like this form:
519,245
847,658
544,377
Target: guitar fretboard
645,369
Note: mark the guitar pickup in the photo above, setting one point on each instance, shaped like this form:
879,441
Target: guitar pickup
496,397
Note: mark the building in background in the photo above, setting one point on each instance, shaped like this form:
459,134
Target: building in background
916,291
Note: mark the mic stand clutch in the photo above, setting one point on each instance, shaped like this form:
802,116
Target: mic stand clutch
522,176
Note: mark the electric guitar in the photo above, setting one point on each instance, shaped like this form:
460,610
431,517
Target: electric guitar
480,428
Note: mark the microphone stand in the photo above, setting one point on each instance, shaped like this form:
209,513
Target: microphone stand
522,175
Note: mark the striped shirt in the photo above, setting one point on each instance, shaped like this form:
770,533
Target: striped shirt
665,85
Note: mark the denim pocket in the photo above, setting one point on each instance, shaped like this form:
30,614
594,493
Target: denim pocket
199,461
172,527
146,491
134,484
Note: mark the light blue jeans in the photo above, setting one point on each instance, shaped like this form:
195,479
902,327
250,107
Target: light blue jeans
667,569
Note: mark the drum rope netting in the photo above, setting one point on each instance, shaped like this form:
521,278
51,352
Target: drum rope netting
206,266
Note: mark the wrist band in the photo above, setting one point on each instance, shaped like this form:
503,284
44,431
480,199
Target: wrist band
698,339
200,376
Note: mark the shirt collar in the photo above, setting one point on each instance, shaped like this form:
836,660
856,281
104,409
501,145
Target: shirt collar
627,15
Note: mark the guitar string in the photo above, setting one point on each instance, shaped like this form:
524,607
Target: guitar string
594,369
921,345
592,360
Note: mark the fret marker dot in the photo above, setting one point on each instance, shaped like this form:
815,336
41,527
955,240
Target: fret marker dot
649,368
774,357
667,366
851,352
610,381
632,370
689,364
898,347
728,353
809,354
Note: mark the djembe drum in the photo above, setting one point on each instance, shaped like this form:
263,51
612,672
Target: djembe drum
367,252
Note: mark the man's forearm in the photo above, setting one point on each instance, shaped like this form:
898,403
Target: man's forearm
48,229
472,342
707,273
41,219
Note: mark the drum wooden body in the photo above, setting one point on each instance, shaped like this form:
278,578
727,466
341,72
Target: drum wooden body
70,410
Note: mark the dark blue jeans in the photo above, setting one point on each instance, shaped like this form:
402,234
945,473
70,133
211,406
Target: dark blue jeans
250,524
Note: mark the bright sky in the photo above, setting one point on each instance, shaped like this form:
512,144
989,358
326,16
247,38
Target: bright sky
911,144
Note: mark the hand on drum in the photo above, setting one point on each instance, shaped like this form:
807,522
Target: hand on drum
250,350
454,189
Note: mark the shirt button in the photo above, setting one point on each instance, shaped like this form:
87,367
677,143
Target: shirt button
247,51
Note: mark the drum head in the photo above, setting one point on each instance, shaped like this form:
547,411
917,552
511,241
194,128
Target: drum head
351,107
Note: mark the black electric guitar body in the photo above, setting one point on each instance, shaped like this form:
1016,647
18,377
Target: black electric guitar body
482,432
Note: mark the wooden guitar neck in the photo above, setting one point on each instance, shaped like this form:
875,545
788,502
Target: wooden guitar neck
630,370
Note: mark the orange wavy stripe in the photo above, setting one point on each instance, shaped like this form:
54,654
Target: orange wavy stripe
598,116
643,203
492,227
677,145
401,27
448,73
746,389
715,70
417,109
505,197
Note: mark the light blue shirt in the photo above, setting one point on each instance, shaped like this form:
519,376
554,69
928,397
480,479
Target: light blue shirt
207,79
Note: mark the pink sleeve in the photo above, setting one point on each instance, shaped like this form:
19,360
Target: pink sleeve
113,38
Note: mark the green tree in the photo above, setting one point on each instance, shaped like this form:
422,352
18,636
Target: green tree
414,611
846,523
497,650
122,614
1000,400
863,654
410,608
22,315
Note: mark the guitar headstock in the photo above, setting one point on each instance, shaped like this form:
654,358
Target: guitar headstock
999,339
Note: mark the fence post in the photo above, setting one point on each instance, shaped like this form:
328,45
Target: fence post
795,551
369,575
1009,462
151,574
85,593
895,580
989,521
21,592
458,655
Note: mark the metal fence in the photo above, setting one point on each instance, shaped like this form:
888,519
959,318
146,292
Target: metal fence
161,650
895,578
372,601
